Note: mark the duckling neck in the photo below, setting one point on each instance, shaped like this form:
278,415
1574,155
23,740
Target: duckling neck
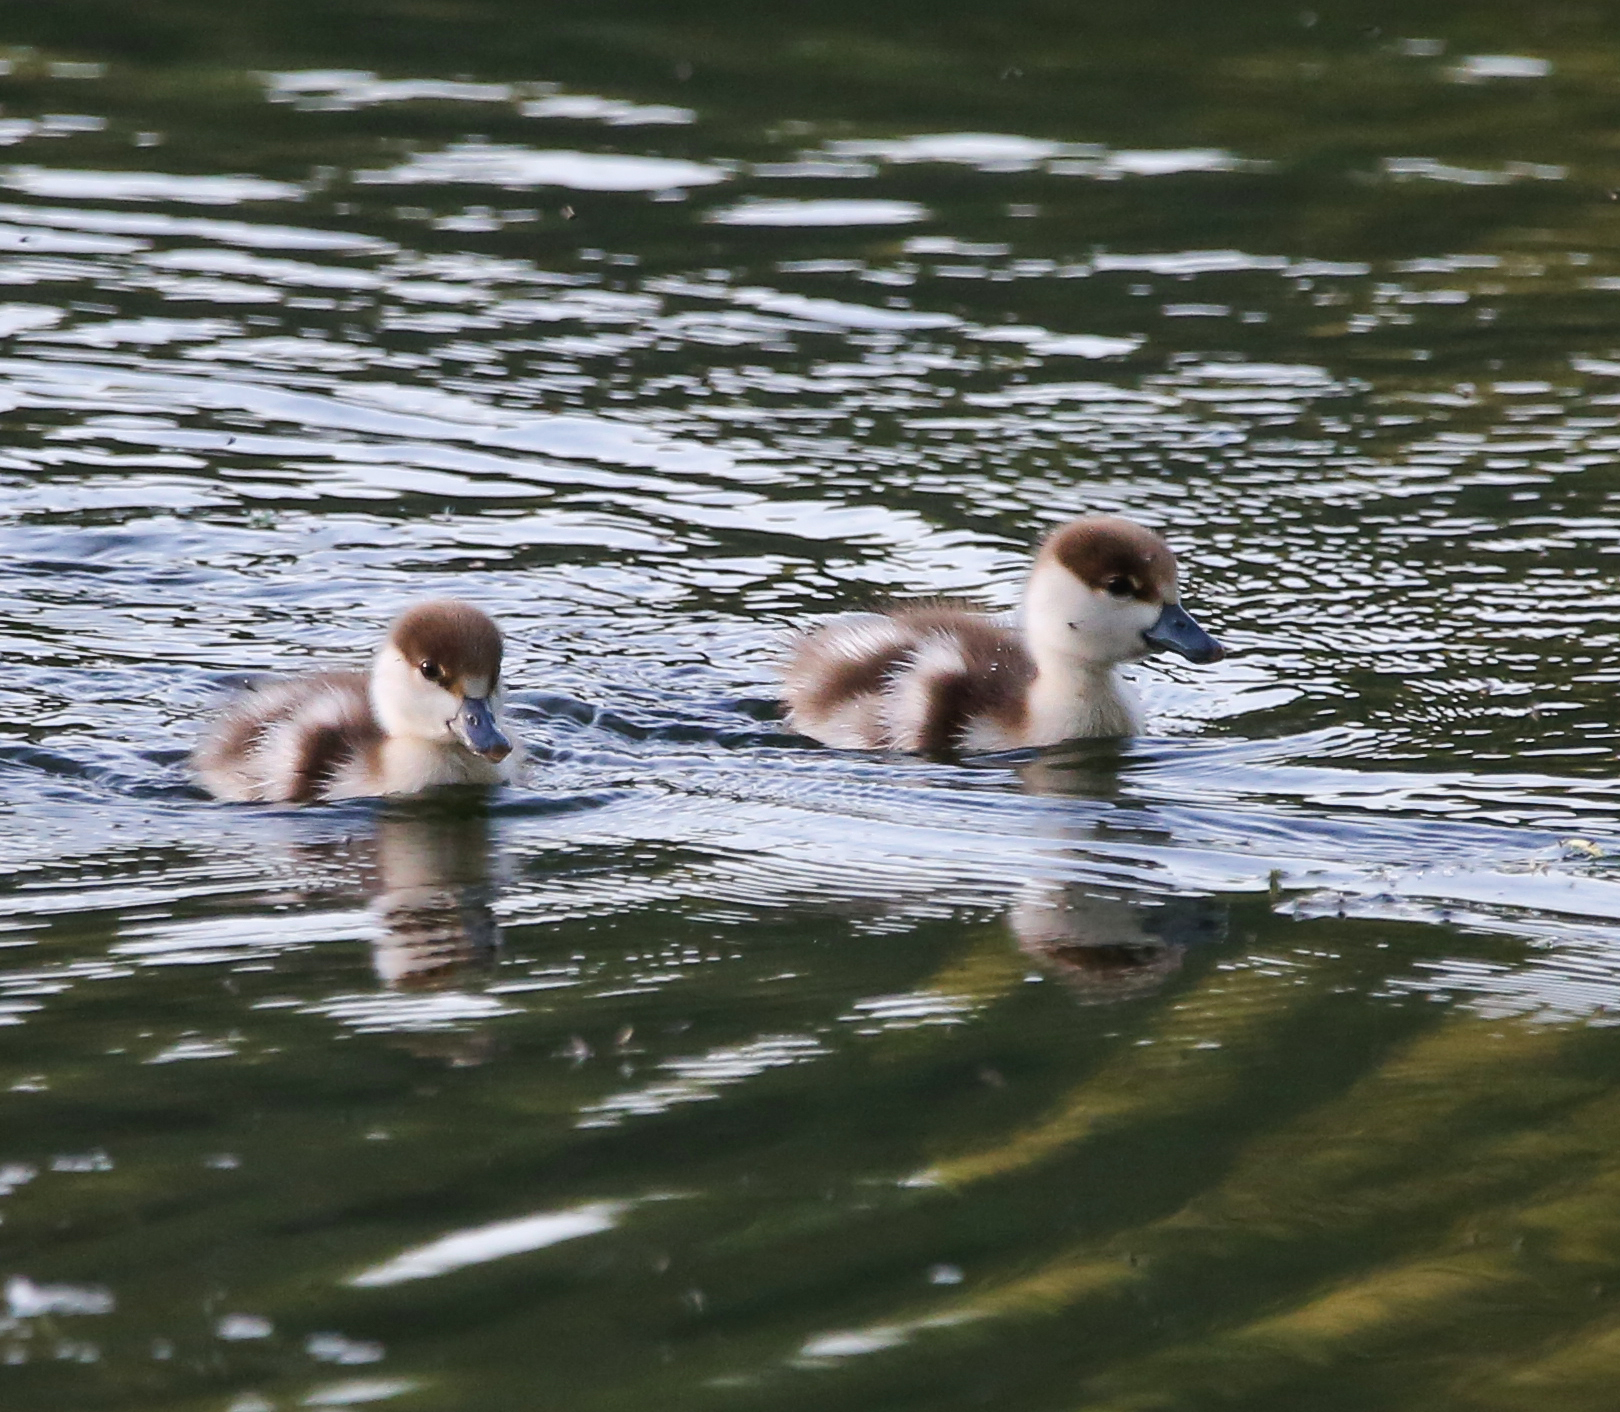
1077,690
1070,698
410,765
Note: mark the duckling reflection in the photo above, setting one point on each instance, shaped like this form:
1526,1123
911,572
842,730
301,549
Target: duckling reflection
1085,769
1105,947
434,896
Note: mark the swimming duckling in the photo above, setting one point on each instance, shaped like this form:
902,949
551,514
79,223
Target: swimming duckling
940,680
427,714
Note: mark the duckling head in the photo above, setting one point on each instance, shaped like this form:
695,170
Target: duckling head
437,676
1104,591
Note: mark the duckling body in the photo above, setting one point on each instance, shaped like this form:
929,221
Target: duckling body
940,680
427,714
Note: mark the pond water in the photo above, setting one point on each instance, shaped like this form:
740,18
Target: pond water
1265,1062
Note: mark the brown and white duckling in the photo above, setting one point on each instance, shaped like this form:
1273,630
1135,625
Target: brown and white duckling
941,680
427,714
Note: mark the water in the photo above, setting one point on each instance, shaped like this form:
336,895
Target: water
1264,1062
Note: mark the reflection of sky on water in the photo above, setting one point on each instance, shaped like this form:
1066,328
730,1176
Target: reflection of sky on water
491,1242
653,381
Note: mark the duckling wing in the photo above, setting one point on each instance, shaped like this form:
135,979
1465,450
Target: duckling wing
965,688
934,680
292,741
837,675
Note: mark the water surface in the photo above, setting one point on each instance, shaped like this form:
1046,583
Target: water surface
1266,1061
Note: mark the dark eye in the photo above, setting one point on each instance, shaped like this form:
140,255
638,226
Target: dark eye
432,671
1121,587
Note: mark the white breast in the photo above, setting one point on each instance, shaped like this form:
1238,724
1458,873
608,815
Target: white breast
1085,704
409,766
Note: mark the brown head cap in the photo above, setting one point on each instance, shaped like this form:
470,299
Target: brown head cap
457,640
1116,556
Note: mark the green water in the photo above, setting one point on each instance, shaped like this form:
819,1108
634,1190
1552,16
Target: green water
1266,1062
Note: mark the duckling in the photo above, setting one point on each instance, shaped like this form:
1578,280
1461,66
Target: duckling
941,680
428,714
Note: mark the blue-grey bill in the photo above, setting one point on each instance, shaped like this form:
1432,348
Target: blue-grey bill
475,724
1176,630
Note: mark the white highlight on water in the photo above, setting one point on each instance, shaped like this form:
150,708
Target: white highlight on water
492,1242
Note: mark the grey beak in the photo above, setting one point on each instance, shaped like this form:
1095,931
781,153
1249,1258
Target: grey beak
1176,630
474,725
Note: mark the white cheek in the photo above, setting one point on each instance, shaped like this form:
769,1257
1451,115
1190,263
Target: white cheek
1107,629
432,707
1136,620
1068,620
407,704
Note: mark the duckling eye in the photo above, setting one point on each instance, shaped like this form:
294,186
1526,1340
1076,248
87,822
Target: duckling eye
432,671
1121,586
